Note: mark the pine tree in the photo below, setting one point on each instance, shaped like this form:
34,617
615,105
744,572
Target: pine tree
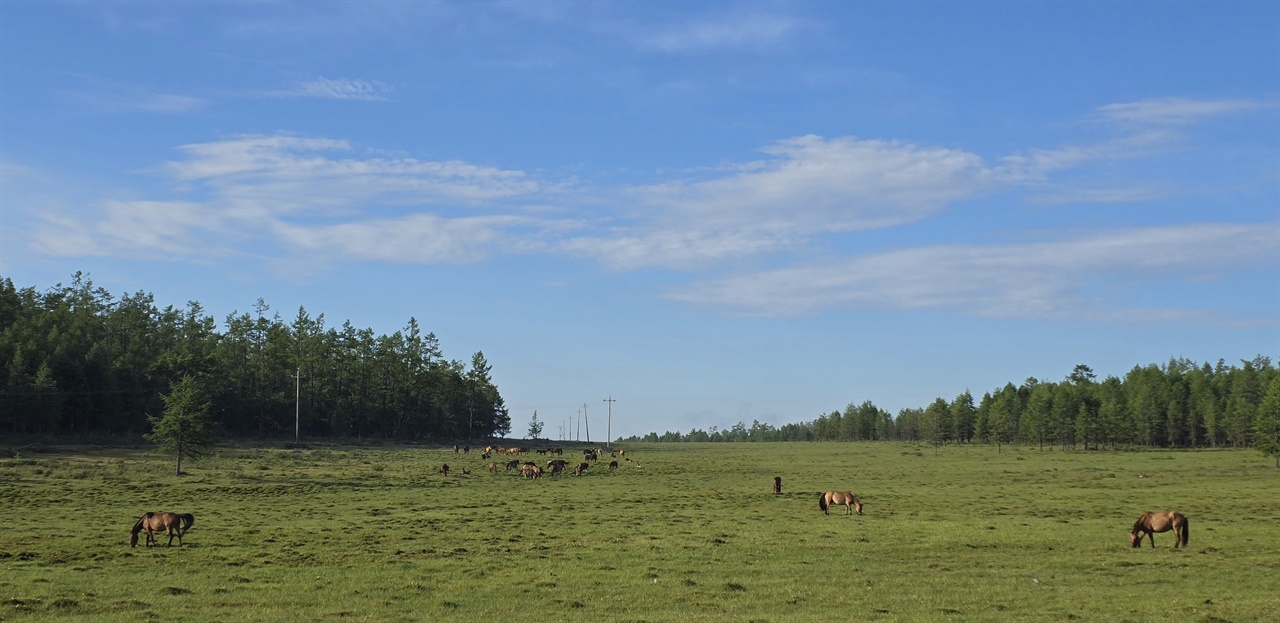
1266,427
184,429
535,426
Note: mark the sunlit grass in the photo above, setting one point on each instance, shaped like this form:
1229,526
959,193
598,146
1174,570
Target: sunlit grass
683,533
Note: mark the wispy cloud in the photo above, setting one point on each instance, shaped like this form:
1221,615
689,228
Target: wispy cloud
808,186
139,101
293,195
725,32
1175,111
335,89
1042,279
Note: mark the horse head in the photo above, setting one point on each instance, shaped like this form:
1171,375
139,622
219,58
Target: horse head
857,505
1134,539
133,540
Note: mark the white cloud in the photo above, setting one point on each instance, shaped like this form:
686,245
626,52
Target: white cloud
1174,111
131,100
733,32
339,89
810,186
414,239
1047,279
289,174
290,194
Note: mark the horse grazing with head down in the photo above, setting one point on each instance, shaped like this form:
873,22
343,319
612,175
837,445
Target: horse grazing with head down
172,523
850,501
1151,523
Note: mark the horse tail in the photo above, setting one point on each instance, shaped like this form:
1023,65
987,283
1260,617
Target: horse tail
822,501
188,520
1186,530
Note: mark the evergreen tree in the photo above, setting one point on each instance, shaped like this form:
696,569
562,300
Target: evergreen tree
184,429
1266,428
535,426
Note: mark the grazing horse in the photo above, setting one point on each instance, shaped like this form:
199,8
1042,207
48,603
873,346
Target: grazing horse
582,467
777,485
1151,523
493,467
849,500
444,469
172,523
529,470
613,465
513,464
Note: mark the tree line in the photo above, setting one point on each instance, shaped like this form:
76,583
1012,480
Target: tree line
76,360
1176,405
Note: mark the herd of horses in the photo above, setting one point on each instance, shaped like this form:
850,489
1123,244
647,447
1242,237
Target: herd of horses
176,525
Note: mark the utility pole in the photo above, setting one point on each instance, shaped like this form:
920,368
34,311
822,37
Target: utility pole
609,426
297,404
577,435
585,420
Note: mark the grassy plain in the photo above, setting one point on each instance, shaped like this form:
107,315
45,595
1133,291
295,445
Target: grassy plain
687,532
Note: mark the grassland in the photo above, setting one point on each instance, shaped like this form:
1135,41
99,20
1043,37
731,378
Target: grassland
687,532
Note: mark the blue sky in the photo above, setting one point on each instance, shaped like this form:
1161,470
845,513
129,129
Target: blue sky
712,212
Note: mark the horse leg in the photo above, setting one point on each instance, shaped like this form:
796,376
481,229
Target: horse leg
1152,535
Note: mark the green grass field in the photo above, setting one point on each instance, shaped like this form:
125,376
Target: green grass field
687,532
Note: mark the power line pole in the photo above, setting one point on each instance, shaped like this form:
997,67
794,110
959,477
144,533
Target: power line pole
588,422
297,404
577,435
609,428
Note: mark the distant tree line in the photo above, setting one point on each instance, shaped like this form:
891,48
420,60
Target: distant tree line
1176,405
75,360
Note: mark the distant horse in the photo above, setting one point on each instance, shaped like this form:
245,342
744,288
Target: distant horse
529,470
493,467
444,469
513,464
582,467
777,485
1151,523
613,465
850,501
172,523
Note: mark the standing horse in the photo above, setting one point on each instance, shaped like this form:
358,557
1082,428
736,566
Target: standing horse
850,501
1151,523
777,485
172,523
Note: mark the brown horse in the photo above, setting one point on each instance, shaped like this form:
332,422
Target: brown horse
850,501
172,523
777,485
1151,523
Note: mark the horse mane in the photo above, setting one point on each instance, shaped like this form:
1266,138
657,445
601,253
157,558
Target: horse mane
822,501
137,526
1141,522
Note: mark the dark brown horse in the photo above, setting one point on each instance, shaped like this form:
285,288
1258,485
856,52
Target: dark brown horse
172,523
1151,523
777,485
850,501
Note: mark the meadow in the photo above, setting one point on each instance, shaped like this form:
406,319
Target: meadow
685,532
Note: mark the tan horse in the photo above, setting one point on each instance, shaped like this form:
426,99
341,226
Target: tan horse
850,501
172,523
1151,523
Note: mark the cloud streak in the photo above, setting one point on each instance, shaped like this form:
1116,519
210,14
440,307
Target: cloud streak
1175,111
335,89
752,31
1044,279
